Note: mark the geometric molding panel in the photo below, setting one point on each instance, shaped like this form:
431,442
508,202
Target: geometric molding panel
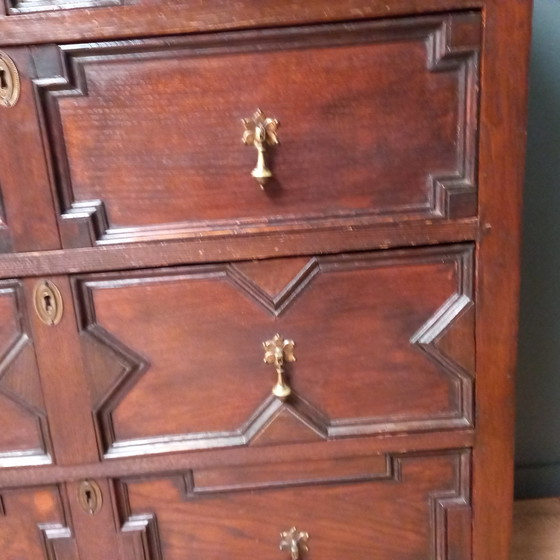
110,211
447,338
30,6
21,398
441,346
140,538
428,494
34,523
5,233
454,194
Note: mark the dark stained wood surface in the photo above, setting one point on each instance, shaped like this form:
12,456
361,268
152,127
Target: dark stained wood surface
190,16
62,381
173,162
411,468
253,245
502,151
398,513
241,457
26,438
380,325
26,203
34,523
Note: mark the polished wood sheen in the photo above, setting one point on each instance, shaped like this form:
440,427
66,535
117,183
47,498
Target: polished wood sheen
173,162
34,524
25,440
385,247
405,360
417,508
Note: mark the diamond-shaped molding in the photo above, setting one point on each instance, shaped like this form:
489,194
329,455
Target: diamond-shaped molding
274,284
118,368
20,383
446,338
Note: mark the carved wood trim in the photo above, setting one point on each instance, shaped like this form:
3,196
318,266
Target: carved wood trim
446,504
453,45
450,511
442,321
57,538
192,489
132,365
278,303
454,195
25,391
5,234
14,7
52,534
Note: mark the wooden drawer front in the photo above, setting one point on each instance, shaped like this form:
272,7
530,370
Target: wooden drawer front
413,508
377,120
24,432
384,342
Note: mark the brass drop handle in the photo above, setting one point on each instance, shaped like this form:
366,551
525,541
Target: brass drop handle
260,132
295,541
276,352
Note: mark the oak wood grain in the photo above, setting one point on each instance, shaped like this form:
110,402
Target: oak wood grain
191,16
502,150
383,321
427,319
241,457
174,164
404,516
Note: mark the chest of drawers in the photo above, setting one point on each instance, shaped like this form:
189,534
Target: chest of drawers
258,278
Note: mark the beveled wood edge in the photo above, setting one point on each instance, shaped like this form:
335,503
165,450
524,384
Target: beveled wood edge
503,117
427,443
142,21
220,248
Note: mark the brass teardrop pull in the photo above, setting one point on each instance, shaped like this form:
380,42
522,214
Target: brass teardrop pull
295,542
276,352
90,497
260,132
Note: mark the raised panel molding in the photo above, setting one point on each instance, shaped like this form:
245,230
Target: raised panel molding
37,521
448,511
453,44
28,6
140,538
446,339
5,235
19,381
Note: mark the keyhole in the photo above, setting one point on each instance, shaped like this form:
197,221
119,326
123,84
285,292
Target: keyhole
89,500
90,497
3,80
47,302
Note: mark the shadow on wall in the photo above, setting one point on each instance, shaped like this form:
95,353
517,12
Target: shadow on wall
538,380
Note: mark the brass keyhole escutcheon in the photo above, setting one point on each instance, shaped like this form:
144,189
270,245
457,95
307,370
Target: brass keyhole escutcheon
276,352
48,304
90,497
260,132
10,84
295,542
